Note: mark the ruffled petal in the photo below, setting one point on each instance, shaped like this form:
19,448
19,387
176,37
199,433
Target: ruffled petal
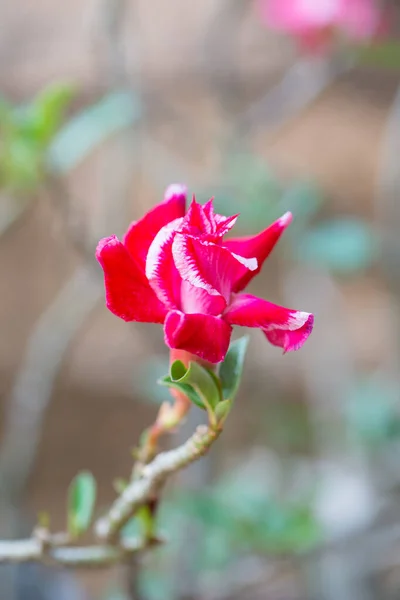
220,224
141,233
203,335
259,246
196,220
208,266
283,327
128,294
161,271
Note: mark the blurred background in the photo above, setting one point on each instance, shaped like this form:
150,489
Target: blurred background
103,104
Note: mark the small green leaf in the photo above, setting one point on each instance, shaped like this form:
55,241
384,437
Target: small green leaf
384,54
222,410
231,369
47,112
120,484
198,383
199,378
185,388
81,500
43,519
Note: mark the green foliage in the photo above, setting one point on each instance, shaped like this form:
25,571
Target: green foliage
230,371
25,134
343,246
198,383
384,54
237,516
206,389
253,518
81,501
372,411
91,127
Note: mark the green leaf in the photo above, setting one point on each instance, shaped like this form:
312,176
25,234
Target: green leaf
384,54
78,138
43,519
48,110
197,382
185,388
222,410
341,245
231,369
120,484
81,501
199,378
371,409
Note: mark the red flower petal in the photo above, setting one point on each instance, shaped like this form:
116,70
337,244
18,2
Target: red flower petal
220,224
141,233
283,327
209,266
203,335
161,271
259,246
128,294
196,220
198,300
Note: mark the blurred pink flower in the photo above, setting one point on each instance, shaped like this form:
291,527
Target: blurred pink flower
175,268
315,22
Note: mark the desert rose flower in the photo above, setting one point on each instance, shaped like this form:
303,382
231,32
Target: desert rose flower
314,23
174,267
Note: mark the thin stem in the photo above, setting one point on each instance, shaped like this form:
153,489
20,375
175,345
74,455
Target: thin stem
18,551
154,475
112,548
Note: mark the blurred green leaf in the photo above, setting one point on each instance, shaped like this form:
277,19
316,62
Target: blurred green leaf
371,410
91,127
231,369
222,410
115,594
48,111
342,245
302,199
43,519
385,53
25,132
155,586
81,501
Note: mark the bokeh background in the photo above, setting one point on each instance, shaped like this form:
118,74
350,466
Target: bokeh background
105,103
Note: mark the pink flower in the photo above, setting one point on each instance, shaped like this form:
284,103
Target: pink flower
315,22
176,269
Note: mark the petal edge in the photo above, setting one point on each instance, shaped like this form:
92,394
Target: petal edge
128,294
283,327
259,246
203,335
